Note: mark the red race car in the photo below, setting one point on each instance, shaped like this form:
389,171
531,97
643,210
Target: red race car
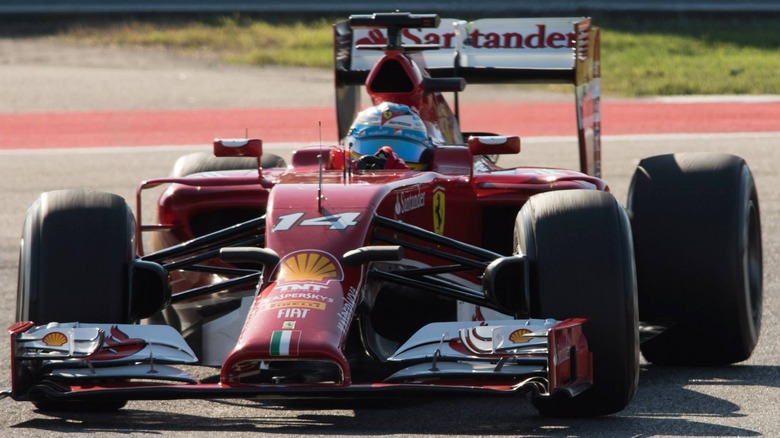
401,261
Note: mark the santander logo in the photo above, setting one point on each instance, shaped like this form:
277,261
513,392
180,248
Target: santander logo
537,37
405,202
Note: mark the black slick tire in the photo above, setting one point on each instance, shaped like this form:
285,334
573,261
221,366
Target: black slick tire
579,247
73,266
697,232
206,162
75,250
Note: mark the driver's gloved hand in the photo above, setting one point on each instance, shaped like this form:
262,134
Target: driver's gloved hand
371,162
384,158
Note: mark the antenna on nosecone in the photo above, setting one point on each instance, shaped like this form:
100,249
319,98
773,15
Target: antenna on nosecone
319,188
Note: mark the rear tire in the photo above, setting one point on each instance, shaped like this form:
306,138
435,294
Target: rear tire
697,231
206,162
73,266
580,249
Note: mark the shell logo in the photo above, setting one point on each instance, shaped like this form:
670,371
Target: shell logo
310,266
55,339
518,336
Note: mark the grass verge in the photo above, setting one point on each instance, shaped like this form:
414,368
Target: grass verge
655,56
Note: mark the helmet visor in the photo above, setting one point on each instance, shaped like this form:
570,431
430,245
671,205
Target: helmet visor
409,150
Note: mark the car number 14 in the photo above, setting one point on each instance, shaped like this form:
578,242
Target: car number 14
338,221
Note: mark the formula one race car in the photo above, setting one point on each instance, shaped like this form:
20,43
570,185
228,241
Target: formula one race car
401,261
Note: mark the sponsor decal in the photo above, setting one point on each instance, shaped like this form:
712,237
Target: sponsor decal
445,117
390,114
305,304
438,211
117,345
518,336
292,313
288,325
285,342
302,290
316,266
408,201
55,339
477,340
478,316
409,36
345,315
284,296
537,36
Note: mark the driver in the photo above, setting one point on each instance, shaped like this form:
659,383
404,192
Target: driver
389,136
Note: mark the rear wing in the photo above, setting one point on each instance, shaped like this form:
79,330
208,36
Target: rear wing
487,51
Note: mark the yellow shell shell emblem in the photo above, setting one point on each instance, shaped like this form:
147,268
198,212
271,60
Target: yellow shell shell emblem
309,266
518,336
55,339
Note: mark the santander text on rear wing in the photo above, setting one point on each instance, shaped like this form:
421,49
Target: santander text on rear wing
487,51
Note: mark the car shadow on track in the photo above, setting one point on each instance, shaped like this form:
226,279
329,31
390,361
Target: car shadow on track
671,401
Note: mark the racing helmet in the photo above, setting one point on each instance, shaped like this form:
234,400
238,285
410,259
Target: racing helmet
394,125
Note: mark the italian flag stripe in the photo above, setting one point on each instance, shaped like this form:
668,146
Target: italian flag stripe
285,342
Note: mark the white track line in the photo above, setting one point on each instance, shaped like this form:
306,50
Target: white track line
292,146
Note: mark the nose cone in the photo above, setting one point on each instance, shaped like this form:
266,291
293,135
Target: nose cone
299,323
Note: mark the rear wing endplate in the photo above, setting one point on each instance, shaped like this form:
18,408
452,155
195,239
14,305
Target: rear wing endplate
488,51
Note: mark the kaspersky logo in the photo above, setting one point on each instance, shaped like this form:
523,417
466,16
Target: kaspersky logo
310,265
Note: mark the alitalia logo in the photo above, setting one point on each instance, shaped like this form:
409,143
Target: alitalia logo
285,342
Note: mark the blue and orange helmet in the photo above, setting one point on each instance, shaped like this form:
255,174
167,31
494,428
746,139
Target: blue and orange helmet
394,125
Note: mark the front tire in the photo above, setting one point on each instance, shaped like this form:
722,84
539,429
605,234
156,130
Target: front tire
75,251
73,267
580,249
697,230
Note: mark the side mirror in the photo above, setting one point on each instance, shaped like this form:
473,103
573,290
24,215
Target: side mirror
150,289
505,283
494,145
249,254
239,147
378,253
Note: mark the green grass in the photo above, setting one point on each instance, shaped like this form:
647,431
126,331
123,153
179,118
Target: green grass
668,63
232,39
639,58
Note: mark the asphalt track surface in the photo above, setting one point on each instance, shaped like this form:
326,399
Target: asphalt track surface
740,400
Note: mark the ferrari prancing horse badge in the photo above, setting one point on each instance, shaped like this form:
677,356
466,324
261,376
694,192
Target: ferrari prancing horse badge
438,212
